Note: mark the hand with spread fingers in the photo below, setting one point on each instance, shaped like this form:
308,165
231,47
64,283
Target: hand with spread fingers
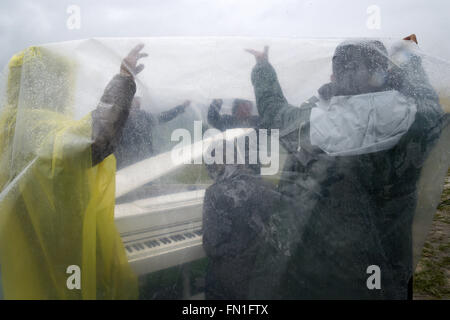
129,65
182,107
260,56
411,37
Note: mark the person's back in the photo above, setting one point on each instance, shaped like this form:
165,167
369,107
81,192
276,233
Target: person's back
360,215
235,215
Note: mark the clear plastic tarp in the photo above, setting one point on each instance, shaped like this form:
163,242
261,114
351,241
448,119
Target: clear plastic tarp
299,169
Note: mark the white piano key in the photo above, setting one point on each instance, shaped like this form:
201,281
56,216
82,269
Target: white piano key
162,232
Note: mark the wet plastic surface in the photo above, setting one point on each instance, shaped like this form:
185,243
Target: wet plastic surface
354,174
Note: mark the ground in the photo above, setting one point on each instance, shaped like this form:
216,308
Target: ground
432,276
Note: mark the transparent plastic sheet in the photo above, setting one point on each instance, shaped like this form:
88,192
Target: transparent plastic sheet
355,182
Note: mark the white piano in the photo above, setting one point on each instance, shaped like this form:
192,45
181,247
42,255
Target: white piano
162,231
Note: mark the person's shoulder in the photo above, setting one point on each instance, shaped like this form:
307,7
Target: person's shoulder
249,182
217,189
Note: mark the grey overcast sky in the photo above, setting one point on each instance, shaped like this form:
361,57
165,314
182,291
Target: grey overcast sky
25,22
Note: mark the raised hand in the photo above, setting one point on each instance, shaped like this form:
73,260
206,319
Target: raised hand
411,37
129,65
182,107
260,55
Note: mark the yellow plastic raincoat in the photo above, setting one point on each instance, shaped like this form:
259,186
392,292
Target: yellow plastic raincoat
56,210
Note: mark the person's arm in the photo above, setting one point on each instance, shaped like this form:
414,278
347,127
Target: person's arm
217,226
270,99
408,75
273,108
166,116
109,118
218,121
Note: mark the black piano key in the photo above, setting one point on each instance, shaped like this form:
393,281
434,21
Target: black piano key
149,244
165,240
155,243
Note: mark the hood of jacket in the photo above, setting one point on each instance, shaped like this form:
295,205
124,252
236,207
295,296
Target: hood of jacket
360,124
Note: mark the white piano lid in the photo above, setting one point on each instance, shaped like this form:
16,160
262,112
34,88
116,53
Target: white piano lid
148,170
145,206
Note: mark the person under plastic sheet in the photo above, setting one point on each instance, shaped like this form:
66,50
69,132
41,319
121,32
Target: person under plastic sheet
236,211
136,143
348,187
57,183
241,115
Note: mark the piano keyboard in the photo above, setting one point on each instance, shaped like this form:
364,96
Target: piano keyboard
167,250
162,232
137,247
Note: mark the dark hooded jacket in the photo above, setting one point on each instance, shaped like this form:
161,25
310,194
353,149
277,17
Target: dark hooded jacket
236,210
347,203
